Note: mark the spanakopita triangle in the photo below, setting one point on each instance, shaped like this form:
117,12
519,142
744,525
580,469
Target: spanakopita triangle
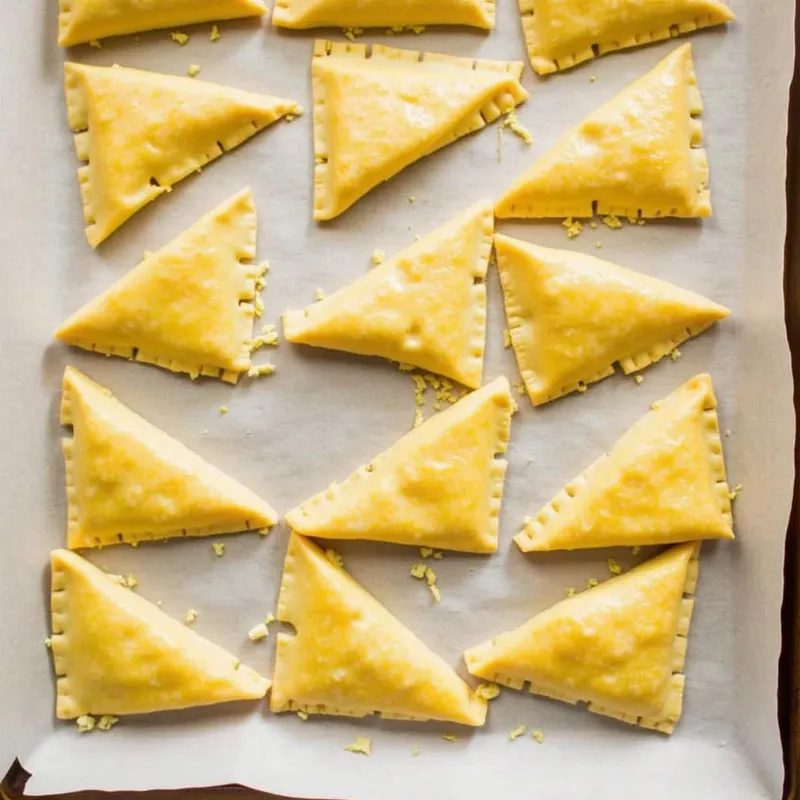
139,133
571,317
638,155
620,647
189,307
663,482
440,485
426,306
351,657
383,13
378,110
562,33
85,20
128,481
116,653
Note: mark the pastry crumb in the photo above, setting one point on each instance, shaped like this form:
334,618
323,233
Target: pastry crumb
636,549
599,245
417,29
191,616
538,736
426,552
570,591
419,417
258,632
488,691
412,199
592,582
352,33
303,715
727,433
267,338
437,555
319,295
258,306
378,257
94,43
48,643
107,722
735,493
511,122
85,723
573,227
675,354
219,548
517,732
264,531
434,589
223,410
655,405
506,338
335,558
514,406
179,37
215,35
520,387
193,71
639,379
450,737
614,567
418,571
270,618
403,367
361,745
582,387
593,224
260,370
612,221
592,78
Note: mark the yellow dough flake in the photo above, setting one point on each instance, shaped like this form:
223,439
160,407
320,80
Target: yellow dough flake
193,71
614,567
258,632
573,227
335,558
517,732
450,737
612,221
191,616
419,571
179,37
378,257
215,34
107,722
538,736
361,745
85,723
488,691
219,548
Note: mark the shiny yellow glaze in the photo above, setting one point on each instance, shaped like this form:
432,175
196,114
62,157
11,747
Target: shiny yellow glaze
615,646
375,116
562,33
84,20
639,153
572,316
426,306
142,132
115,653
187,307
129,481
438,486
351,657
663,482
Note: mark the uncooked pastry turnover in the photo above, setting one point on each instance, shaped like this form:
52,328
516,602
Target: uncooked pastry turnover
571,317
562,33
663,482
619,647
638,155
379,109
351,657
116,653
188,307
440,485
128,481
426,306
139,133
83,20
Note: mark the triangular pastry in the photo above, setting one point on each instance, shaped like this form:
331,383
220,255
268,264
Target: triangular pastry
116,653
128,481
351,657
142,132
639,154
84,20
189,307
426,306
383,13
562,33
619,647
378,110
663,482
440,485
572,316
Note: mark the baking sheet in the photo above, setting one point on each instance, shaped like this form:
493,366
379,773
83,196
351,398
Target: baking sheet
323,414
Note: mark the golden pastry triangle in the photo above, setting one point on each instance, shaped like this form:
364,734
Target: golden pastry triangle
351,657
383,14
638,155
84,20
116,653
562,33
378,110
139,133
189,307
663,482
571,317
440,485
426,306
128,481
620,647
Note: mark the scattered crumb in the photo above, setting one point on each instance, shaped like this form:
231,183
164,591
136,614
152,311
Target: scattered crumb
538,736
641,222
450,737
335,558
418,571
614,567
85,723
319,295
655,405
488,691
612,221
639,379
412,199
499,144
194,70
570,591
426,552
191,616
264,531
520,387
514,407
131,582
573,227
416,29
361,745
437,595
378,257
127,582
511,122
258,307
215,35
592,582
593,224
675,354
258,632
133,544
260,370
437,555
352,33
48,643
269,619
419,417
303,715
107,722
582,387
180,37
599,245
403,367
430,576
632,220
636,549
517,732
268,338
592,78
94,43
219,548
735,493
727,433
223,410
506,338
415,751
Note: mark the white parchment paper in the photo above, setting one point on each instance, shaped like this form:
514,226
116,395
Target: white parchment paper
323,414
